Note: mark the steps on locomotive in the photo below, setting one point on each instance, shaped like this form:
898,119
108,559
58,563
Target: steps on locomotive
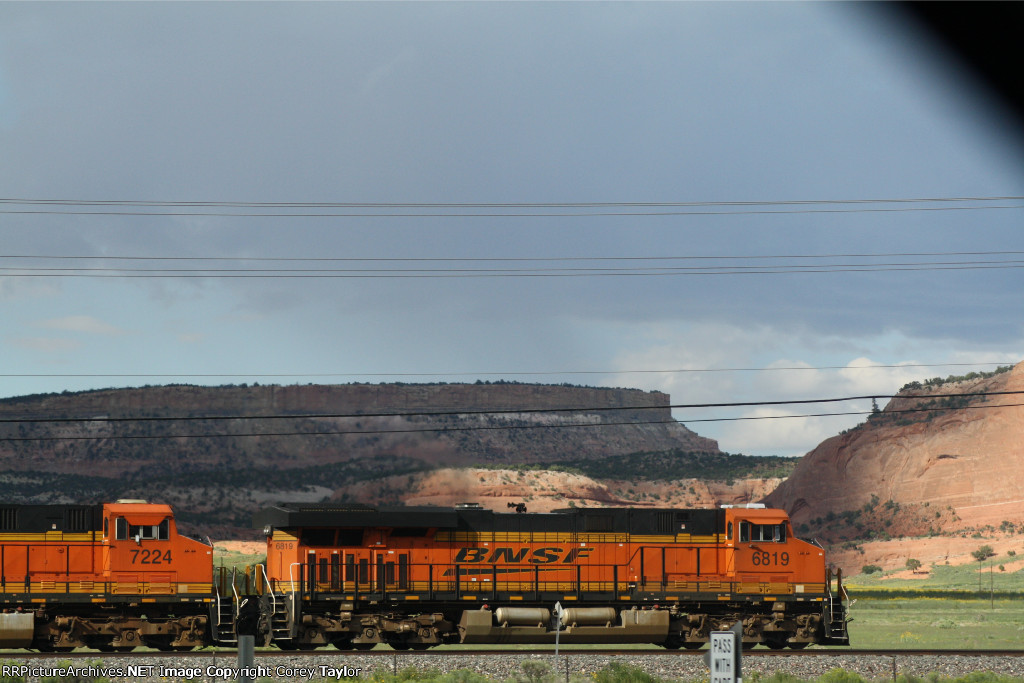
224,622
835,625
280,621
226,607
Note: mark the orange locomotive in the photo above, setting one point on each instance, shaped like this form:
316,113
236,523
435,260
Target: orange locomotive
354,576
110,576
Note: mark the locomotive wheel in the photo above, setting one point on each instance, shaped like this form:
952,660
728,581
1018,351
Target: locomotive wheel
798,646
672,643
693,646
342,643
364,646
419,646
161,643
775,644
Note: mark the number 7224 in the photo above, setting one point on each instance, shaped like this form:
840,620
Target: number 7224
147,556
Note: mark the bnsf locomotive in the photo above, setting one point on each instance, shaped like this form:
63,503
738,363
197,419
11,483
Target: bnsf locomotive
118,575
110,577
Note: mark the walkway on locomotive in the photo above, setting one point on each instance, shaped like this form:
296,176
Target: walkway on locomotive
623,554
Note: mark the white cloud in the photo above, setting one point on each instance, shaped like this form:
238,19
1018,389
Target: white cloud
771,429
46,344
865,376
729,364
80,323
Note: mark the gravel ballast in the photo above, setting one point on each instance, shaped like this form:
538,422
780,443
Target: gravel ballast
339,666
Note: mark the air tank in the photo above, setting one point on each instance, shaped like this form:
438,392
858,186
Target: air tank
589,616
523,616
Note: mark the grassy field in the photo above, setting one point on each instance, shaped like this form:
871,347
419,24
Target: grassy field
937,624
979,605
234,558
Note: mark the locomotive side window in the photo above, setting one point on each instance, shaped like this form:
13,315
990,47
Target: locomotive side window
763,533
144,532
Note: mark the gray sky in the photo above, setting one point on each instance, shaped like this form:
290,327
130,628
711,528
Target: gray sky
495,103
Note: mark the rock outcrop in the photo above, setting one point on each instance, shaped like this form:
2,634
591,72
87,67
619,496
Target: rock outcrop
163,429
939,458
220,453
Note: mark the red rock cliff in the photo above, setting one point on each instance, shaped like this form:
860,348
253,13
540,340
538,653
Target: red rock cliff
964,453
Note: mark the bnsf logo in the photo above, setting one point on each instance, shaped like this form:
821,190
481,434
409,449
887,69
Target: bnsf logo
520,555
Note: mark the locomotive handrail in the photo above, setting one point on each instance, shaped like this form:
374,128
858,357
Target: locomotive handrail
291,578
234,590
273,595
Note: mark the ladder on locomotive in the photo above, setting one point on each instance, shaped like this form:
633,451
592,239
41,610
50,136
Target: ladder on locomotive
835,621
226,609
280,617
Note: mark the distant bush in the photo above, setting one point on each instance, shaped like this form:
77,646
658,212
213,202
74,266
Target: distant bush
870,569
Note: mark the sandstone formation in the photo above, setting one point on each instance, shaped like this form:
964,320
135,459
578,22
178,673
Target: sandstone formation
937,460
544,490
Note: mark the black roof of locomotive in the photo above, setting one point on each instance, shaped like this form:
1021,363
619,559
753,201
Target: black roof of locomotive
41,518
579,520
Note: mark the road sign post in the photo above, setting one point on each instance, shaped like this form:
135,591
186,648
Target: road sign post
725,656
558,623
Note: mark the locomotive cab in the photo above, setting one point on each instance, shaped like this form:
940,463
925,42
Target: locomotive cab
142,552
764,551
107,576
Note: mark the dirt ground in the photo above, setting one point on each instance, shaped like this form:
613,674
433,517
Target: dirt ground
953,550
243,547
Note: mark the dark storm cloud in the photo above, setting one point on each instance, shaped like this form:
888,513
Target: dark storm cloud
491,102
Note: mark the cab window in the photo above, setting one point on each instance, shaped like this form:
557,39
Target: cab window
143,532
762,533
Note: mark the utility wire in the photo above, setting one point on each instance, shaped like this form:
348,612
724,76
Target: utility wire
563,214
443,430
236,204
573,266
690,257
497,209
506,374
508,411
505,209
128,273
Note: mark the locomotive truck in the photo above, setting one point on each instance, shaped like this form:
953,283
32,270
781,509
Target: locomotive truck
119,575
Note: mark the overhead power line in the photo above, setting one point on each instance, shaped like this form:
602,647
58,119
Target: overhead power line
541,267
442,430
498,412
493,209
538,373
